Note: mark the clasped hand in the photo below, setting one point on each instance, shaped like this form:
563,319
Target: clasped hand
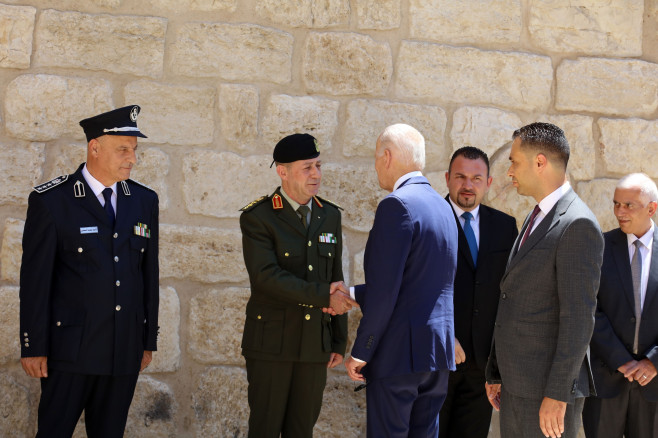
339,299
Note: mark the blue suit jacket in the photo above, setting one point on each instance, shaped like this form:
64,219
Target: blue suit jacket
410,262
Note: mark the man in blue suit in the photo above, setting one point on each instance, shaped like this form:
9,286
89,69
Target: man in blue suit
404,346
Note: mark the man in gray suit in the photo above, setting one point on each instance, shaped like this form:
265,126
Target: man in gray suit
548,297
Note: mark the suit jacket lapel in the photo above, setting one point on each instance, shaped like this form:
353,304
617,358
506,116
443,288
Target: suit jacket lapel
485,231
124,207
652,283
619,252
318,217
89,202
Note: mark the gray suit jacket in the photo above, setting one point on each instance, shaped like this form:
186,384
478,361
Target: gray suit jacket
547,303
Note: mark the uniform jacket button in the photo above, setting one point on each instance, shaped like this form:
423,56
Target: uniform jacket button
59,323
80,249
310,267
118,283
307,317
118,308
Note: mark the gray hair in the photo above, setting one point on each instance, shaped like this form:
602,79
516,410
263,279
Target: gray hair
640,181
406,140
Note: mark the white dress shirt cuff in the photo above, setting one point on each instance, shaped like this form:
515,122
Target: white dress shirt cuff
352,293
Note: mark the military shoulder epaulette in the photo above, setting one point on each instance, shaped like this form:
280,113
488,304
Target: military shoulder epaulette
141,184
252,204
50,184
328,202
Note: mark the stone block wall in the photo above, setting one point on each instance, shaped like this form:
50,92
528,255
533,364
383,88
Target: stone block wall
220,81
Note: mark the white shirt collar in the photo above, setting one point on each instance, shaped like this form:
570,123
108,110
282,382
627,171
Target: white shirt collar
546,204
646,238
96,186
405,177
458,211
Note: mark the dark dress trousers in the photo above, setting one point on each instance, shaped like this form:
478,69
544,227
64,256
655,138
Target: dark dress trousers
89,295
287,340
467,411
622,407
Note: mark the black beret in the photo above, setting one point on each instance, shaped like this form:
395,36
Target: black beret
295,147
121,121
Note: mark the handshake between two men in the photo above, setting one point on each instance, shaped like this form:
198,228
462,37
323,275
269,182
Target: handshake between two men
339,299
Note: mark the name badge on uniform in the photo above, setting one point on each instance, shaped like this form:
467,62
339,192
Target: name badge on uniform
142,230
88,230
327,238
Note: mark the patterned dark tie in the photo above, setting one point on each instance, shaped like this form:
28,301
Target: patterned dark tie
109,211
303,210
470,236
534,214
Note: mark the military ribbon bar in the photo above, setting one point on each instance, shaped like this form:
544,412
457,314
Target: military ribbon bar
142,230
327,238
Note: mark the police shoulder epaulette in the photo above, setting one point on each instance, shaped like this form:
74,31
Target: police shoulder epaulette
252,204
50,184
141,184
328,202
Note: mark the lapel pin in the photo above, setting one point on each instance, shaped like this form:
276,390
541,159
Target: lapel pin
79,189
124,186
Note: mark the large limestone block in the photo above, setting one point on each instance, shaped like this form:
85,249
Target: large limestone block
20,167
598,194
366,119
466,22
183,6
17,24
346,63
15,407
587,26
609,86
629,145
305,13
488,129
221,183
233,52
9,326
168,356
12,250
378,14
174,114
216,324
153,410
47,107
238,118
118,44
466,75
343,411
356,189
286,115
204,254
578,130
220,403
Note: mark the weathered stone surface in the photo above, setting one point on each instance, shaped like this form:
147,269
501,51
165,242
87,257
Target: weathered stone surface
465,21
502,194
220,183
438,182
629,145
168,356
306,13
486,128
356,189
118,44
12,250
609,86
286,115
346,63
153,410
220,403
15,408
9,328
174,114
20,167
343,410
598,194
46,107
466,75
17,24
208,255
588,26
359,274
378,14
213,339
196,5
238,118
243,52
578,130
366,119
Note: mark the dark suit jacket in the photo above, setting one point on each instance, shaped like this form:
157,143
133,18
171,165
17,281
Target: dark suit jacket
547,303
477,289
409,262
614,331
89,292
290,269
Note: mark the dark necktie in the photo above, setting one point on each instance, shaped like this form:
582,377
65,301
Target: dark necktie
534,214
303,210
636,274
109,211
470,236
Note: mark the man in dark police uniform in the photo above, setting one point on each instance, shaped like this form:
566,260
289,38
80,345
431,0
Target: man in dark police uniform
89,283
292,245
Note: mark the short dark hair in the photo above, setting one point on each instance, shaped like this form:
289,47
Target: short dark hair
547,139
471,153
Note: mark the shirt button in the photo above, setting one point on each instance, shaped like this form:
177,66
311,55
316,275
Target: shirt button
310,267
309,243
307,317
118,308
79,249
116,258
115,235
118,283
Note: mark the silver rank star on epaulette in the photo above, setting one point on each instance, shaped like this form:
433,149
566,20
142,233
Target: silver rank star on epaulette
50,184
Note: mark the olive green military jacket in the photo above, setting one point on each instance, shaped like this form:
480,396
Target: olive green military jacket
290,269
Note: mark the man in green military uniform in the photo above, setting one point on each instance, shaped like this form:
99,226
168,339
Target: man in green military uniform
292,245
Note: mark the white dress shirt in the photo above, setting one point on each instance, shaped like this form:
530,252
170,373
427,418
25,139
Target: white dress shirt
97,187
546,204
645,252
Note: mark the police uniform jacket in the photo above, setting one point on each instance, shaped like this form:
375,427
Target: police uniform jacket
290,269
89,291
